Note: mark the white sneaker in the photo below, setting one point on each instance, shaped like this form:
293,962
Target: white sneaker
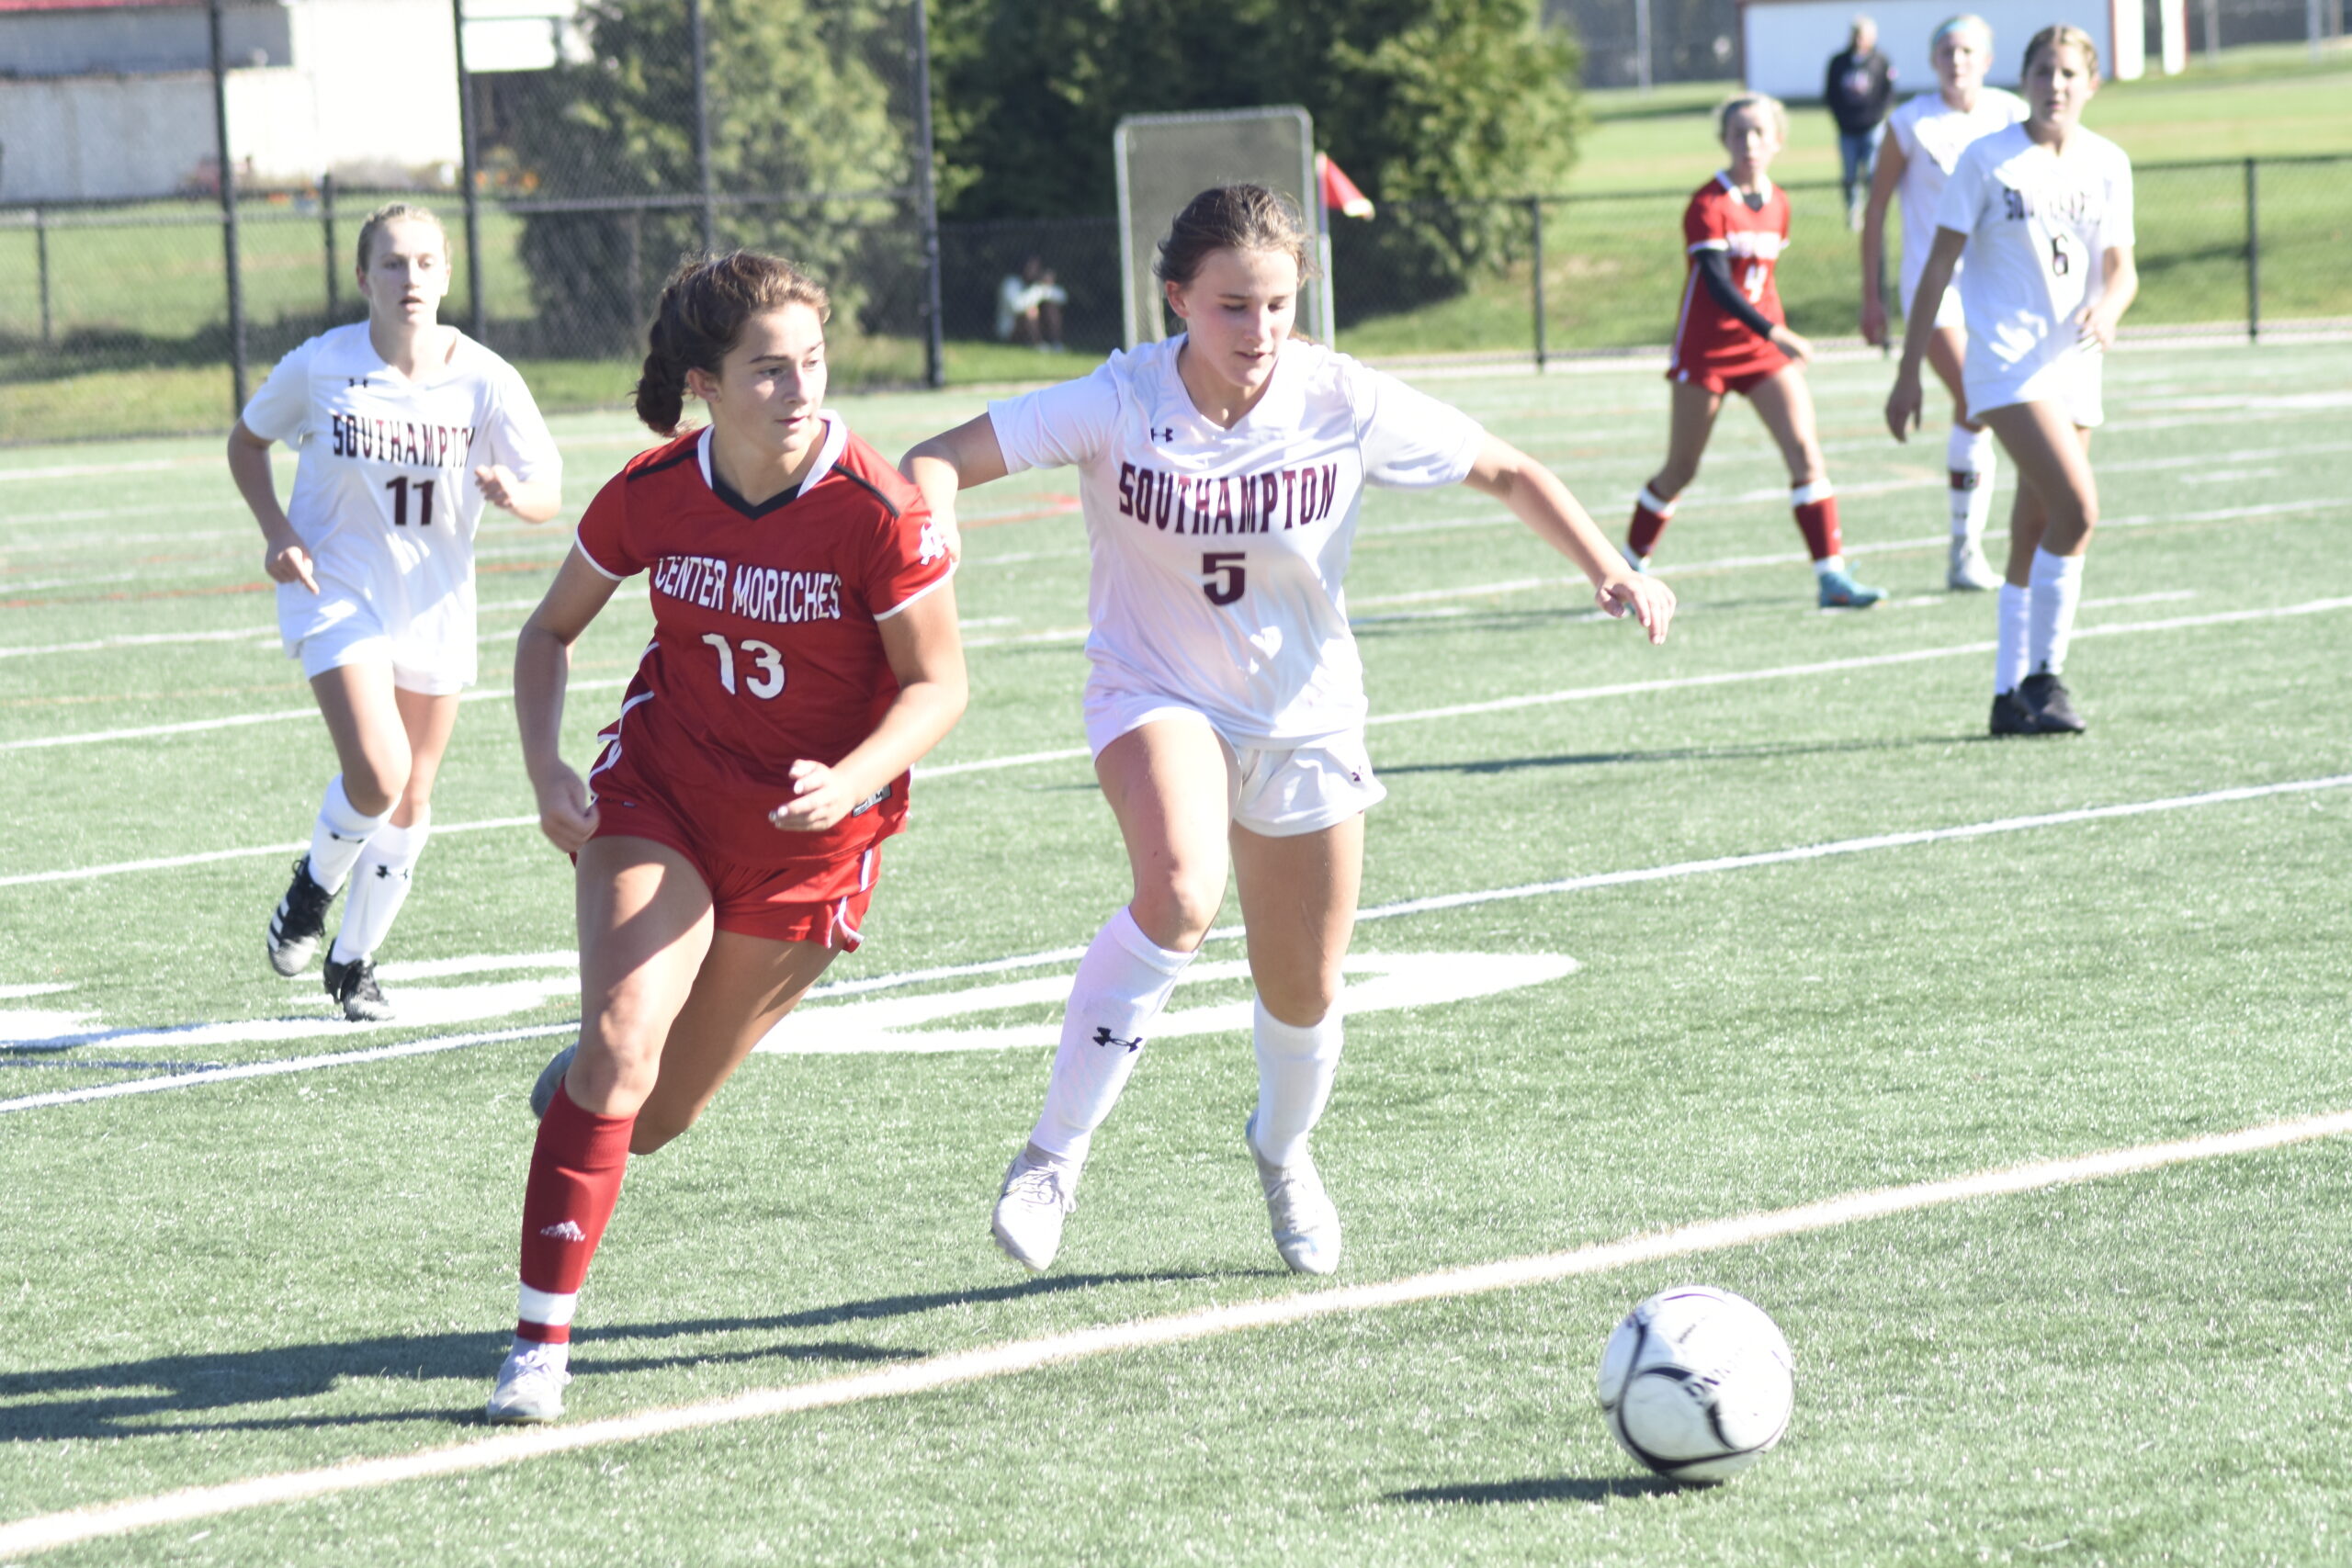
1307,1228
1970,571
530,1386
1030,1209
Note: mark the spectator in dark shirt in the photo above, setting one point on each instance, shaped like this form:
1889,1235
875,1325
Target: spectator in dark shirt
1858,89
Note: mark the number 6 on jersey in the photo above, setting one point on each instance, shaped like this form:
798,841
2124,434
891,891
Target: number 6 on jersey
769,679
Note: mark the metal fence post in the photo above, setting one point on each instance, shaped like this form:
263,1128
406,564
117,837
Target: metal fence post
1535,222
2253,252
235,270
41,249
465,173
934,345
327,232
699,41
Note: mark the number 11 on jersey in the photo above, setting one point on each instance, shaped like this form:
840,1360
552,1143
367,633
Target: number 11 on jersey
399,488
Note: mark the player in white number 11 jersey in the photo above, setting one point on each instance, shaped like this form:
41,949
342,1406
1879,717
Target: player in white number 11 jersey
1220,474
2044,210
403,429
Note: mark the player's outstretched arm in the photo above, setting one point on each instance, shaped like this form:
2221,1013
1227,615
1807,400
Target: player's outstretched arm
1887,176
542,671
1537,497
2118,287
926,653
534,501
1903,403
282,554
954,460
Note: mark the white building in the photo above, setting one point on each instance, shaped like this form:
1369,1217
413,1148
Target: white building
113,98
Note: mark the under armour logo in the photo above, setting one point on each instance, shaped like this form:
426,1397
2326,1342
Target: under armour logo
1103,1037
568,1231
931,546
360,381
1161,433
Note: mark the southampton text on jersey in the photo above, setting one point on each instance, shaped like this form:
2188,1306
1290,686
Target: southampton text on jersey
1244,503
397,441
2053,206
755,593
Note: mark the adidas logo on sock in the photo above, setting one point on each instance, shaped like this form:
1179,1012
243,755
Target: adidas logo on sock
568,1231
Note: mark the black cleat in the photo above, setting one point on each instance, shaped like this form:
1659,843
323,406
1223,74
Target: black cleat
301,918
2053,705
353,986
2011,717
550,1076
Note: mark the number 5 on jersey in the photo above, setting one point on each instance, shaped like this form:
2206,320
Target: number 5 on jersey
766,683
1227,574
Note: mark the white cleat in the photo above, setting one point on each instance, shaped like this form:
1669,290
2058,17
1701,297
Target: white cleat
1307,1228
1036,1199
1970,571
553,1074
530,1386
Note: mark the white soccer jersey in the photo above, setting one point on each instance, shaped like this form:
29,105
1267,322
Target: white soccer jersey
1218,554
385,498
1933,135
2038,229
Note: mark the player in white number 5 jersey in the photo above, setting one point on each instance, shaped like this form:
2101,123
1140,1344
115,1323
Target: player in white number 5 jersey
402,429
1220,474
1923,139
2044,210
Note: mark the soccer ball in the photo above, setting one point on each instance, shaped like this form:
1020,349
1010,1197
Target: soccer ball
1697,1384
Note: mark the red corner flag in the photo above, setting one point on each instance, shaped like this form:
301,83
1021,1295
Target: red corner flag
1338,191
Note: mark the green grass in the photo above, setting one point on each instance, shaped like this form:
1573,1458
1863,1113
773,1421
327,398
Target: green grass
245,1278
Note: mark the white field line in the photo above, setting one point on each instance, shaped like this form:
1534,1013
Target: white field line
956,1369
286,1065
1225,934
236,721
1494,705
255,633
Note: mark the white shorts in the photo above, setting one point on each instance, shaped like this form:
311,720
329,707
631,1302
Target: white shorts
1949,313
331,628
1281,792
2070,380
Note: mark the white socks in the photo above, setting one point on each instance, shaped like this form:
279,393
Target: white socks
1123,982
2057,589
338,835
379,885
1295,1066
2009,655
1972,456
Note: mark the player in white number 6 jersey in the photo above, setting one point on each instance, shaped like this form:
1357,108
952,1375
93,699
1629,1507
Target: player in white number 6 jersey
1923,139
402,428
1220,473
2044,210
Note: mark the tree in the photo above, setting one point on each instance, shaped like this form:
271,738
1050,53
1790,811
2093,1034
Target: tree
807,108
1423,101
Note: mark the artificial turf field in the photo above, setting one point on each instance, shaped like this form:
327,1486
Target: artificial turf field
253,1275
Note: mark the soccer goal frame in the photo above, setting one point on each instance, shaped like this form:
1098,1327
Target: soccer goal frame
1164,160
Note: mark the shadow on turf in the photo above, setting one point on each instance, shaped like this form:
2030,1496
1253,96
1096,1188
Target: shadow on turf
1540,1489
123,1399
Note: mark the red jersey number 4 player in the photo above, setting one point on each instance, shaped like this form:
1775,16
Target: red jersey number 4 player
1733,337
805,654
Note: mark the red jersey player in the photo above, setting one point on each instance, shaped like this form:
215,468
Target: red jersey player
1733,337
804,655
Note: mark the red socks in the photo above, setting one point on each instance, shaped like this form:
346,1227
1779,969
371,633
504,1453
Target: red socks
576,1169
1816,509
1651,515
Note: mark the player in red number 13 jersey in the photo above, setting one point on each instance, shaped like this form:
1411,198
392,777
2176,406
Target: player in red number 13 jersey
804,655
1734,338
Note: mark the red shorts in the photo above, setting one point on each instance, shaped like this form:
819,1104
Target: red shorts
818,900
1735,376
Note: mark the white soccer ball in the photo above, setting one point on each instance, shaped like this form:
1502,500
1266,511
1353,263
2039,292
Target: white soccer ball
1697,1384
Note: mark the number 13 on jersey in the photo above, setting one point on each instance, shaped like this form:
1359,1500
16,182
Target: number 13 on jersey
765,660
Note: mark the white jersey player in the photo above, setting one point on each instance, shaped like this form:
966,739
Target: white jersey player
1220,474
2043,211
403,429
1923,139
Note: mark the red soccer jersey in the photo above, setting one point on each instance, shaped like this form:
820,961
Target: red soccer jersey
766,644
1719,219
